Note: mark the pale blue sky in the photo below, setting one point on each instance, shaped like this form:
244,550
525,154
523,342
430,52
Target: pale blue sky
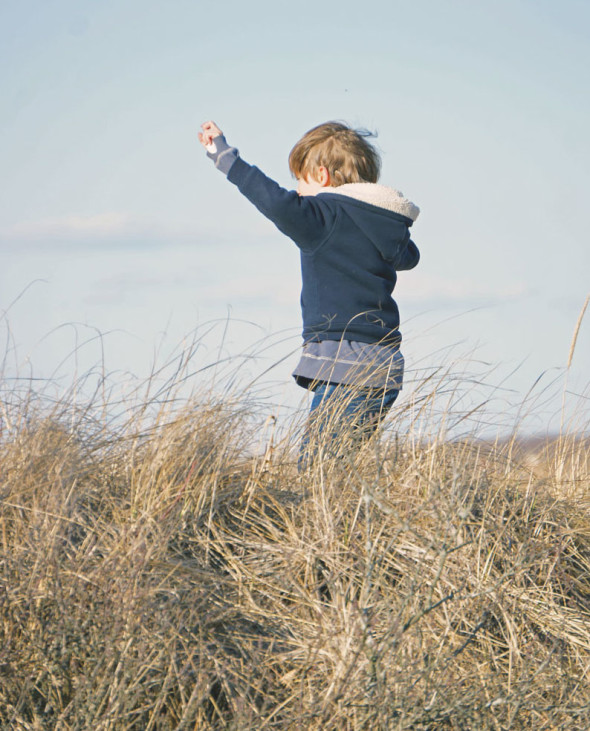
482,111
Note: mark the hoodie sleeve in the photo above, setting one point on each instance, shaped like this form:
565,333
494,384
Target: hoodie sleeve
302,218
408,258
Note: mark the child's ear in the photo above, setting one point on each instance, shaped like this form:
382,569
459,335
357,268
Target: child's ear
323,176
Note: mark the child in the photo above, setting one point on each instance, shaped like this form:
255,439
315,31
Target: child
353,236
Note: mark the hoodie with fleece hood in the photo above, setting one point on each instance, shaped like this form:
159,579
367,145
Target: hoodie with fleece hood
352,241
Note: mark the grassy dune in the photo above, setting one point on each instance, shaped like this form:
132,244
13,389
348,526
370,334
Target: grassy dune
155,575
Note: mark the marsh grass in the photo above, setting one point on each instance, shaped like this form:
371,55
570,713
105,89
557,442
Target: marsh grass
161,570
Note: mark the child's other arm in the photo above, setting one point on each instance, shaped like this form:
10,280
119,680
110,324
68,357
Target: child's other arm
409,258
301,218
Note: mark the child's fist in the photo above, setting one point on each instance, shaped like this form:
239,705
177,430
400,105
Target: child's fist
210,131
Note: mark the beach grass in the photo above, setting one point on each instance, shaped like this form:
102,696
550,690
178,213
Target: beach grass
160,570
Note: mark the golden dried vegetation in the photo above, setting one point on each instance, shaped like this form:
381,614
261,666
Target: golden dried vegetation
154,574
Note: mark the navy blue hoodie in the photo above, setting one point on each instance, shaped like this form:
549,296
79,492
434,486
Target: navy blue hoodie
352,240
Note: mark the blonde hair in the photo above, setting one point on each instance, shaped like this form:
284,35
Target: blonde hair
343,151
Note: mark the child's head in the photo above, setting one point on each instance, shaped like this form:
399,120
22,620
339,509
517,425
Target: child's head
342,151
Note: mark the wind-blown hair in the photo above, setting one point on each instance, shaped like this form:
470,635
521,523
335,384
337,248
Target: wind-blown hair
343,151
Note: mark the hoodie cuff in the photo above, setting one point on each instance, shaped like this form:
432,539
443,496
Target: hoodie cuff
222,154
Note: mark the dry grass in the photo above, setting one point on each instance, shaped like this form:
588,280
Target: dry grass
153,575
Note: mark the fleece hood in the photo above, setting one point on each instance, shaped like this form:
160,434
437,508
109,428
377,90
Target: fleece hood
382,213
381,196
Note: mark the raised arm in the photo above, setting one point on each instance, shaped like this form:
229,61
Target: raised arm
303,219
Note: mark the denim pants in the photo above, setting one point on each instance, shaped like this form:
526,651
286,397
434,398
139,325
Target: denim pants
342,417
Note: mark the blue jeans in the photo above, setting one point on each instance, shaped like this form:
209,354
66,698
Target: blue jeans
342,415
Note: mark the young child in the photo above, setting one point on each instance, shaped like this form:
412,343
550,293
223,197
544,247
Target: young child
353,235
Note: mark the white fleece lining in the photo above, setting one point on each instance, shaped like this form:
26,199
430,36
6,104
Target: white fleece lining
378,195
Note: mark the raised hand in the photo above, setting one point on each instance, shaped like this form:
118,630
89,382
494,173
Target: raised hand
209,133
